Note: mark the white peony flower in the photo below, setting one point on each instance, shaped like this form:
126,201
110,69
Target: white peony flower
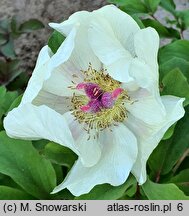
99,96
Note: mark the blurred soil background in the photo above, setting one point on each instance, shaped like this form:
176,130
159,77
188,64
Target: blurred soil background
28,45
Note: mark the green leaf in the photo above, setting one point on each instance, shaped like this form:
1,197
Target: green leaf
8,49
118,2
3,39
13,70
174,63
2,96
8,193
19,83
9,71
184,15
108,192
138,20
15,103
179,48
2,92
6,98
20,161
59,154
14,25
4,26
31,25
7,181
168,152
15,32
3,66
55,40
157,159
63,195
175,83
59,173
162,30
163,191
130,6
169,132
182,181
169,5
152,5
40,144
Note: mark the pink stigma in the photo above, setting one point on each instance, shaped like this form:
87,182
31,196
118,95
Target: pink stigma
116,93
81,86
93,106
107,100
92,90
85,108
98,99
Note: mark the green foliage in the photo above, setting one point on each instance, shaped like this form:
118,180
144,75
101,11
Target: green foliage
15,103
59,154
20,161
131,6
169,132
169,152
145,10
182,181
8,193
184,16
173,63
175,83
179,49
6,99
168,5
152,5
9,70
55,40
30,25
161,29
108,192
163,191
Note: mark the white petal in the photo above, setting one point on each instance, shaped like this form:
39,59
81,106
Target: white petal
62,79
123,25
62,76
120,70
45,66
58,103
146,42
149,136
146,106
32,122
119,154
74,20
82,54
109,50
64,51
142,74
89,149
39,75
62,68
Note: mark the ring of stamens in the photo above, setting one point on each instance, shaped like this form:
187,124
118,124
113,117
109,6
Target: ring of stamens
106,117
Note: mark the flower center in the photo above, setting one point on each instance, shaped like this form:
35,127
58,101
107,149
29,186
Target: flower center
103,102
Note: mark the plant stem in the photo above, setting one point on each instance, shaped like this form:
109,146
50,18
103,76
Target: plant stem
181,34
158,176
155,18
185,154
137,195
